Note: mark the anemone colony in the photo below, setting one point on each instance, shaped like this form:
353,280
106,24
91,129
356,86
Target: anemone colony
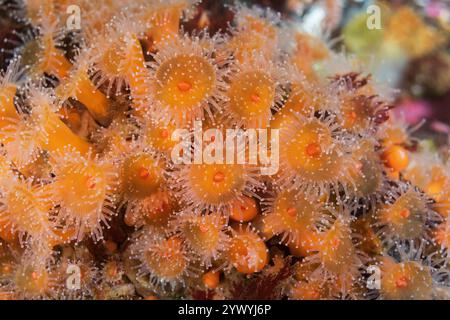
87,180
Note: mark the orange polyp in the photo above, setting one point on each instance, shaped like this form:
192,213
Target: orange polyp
33,281
247,251
310,155
158,136
291,215
184,86
243,210
213,185
204,235
336,250
219,177
141,175
304,99
164,21
26,210
313,149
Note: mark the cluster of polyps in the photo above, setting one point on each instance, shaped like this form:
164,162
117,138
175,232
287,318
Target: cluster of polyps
86,147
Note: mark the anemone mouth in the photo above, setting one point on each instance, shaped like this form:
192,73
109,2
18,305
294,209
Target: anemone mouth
159,137
253,26
25,209
142,175
337,256
34,282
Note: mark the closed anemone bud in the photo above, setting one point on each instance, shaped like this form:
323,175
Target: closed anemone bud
396,158
244,210
211,279
26,209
